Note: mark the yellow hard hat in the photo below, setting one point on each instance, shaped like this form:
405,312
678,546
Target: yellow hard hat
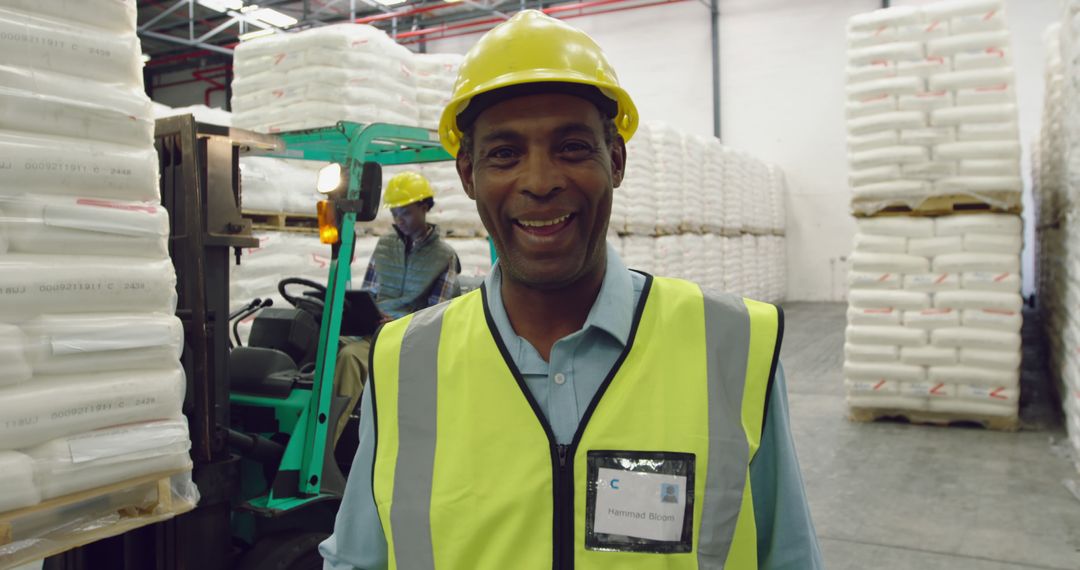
406,188
532,47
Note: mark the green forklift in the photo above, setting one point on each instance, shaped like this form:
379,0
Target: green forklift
282,404
262,416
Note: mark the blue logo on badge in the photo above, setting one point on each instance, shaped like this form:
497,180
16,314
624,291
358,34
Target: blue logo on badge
614,484
669,493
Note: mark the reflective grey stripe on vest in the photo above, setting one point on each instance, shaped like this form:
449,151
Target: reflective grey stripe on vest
417,403
727,340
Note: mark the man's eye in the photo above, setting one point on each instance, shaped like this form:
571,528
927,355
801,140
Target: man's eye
502,153
576,147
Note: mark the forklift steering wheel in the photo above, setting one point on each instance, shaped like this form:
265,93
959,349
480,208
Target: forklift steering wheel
312,300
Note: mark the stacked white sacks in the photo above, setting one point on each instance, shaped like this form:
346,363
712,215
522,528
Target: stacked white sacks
1056,176
931,107
670,166
435,76
279,185
454,212
935,314
635,207
91,385
323,75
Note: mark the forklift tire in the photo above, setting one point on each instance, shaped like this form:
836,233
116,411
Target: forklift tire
286,551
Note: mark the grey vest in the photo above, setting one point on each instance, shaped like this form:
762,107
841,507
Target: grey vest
406,279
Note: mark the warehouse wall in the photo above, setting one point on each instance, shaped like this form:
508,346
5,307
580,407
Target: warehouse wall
782,99
661,55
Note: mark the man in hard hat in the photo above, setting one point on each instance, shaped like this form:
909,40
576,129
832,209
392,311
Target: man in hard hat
570,414
411,269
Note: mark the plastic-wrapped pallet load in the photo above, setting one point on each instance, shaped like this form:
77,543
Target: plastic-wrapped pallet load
931,109
323,75
88,336
935,314
435,76
1056,177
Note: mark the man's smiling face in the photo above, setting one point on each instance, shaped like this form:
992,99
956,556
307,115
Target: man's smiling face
542,175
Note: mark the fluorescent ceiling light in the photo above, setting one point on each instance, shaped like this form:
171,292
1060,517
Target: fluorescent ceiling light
257,34
222,5
273,17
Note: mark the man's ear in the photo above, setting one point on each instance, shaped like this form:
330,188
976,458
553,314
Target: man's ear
464,166
618,161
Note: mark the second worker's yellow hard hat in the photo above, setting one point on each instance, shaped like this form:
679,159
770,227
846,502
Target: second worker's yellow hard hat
532,47
406,188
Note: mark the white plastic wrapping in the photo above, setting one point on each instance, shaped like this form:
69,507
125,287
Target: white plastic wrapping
875,298
36,284
70,344
50,407
96,458
975,338
931,318
889,263
871,352
17,481
931,282
884,371
929,356
976,262
893,335
874,317
40,43
992,300
972,375
84,226
41,164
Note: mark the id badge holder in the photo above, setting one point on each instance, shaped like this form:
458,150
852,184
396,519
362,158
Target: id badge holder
639,501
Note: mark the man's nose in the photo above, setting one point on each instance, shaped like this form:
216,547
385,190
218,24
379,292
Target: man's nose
542,177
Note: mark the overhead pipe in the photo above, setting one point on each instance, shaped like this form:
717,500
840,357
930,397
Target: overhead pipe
485,24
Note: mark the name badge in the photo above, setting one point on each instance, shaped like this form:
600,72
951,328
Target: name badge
640,501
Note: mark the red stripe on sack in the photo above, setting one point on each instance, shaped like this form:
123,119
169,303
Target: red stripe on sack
999,312
941,279
1000,52
1001,87
98,203
879,385
935,389
935,311
926,94
881,29
997,394
936,59
279,58
989,15
877,311
321,261
877,98
933,26
884,278
1001,277
883,62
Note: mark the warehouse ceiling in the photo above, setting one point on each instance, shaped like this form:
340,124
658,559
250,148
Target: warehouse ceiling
192,34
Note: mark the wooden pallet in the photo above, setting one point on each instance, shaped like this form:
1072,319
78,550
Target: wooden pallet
949,205
282,222
130,515
944,419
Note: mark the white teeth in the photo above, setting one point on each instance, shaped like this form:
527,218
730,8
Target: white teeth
543,223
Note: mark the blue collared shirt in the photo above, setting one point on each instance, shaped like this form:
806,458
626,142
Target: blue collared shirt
563,388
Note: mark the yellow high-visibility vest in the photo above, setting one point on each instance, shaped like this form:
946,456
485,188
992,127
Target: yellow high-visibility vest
468,475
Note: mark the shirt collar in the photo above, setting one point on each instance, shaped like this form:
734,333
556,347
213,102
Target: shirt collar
612,312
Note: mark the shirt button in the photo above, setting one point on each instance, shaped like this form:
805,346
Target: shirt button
560,378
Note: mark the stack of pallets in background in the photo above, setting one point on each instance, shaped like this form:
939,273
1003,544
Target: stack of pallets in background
934,312
1055,166
92,440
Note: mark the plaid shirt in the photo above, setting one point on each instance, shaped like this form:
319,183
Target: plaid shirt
442,290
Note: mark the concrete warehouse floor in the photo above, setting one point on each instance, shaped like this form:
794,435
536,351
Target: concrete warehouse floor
890,495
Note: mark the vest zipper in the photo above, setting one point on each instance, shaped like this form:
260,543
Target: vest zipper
564,508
